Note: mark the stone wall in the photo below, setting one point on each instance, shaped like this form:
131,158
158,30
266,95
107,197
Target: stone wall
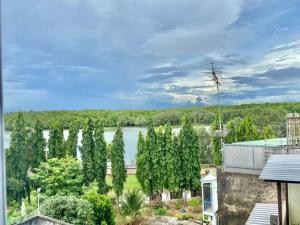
42,220
237,195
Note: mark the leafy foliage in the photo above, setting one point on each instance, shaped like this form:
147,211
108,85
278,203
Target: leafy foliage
102,206
36,145
59,176
100,160
132,204
71,143
87,151
17,164
69,209
119,172
56,141
190,156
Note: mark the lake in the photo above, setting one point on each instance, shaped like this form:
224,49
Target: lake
130,139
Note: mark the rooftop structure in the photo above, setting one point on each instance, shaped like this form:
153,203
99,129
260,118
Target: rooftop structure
262,213
285,171
250,156
42,220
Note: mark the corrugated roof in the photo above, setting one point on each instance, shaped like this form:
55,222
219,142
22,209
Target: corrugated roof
282,168
261,214
275,142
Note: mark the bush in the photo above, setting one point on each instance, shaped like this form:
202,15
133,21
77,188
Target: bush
69,209
194,202
59,176
132,204
160,211
179,203
186,216
102,206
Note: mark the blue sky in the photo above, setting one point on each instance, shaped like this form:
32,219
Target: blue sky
116,54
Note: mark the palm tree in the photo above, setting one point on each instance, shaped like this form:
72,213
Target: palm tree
132,204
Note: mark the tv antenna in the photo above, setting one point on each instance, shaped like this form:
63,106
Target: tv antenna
218,84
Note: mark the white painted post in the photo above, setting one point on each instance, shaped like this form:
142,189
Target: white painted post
38,199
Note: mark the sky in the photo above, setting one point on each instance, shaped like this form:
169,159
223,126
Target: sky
150,54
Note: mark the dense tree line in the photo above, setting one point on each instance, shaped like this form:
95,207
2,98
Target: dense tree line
262,114
238,130
57,170
166,161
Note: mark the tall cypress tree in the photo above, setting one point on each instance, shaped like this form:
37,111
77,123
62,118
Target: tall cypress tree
119,172
87,152
56,141
17,160
71,143
36,146
142,166
150,147
190,155
100,157
170,163
159,161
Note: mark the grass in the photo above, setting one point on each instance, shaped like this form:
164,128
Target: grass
130,184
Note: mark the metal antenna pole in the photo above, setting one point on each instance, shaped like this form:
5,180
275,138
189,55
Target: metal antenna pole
216,80
2,151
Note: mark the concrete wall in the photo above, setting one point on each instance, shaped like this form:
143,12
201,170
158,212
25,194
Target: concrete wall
42,220
294,203
246,158
237,195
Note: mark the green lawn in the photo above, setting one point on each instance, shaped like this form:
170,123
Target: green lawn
130,184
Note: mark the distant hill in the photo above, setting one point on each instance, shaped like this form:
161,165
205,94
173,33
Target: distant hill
263,114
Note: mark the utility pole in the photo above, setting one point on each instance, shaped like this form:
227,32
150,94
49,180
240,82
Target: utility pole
2,152
217,82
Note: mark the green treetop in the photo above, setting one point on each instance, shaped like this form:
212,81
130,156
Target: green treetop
71,143
17,160
190,155
56,141
100,157
36,146
169,172
87,151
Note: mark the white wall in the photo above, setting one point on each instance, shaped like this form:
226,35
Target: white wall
294,203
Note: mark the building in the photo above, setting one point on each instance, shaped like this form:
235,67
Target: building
42,220
284,170
209,189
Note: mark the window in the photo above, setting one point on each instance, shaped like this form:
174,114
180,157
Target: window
207,198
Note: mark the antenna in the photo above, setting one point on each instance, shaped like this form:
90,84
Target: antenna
218,84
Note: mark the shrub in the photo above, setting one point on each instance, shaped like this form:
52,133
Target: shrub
69,209
186,216
160,211
194,202
102,206
132,204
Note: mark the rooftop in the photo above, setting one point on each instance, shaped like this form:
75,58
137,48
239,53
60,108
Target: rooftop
275,142
261,214
284,168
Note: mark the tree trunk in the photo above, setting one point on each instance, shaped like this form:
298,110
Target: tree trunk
28,190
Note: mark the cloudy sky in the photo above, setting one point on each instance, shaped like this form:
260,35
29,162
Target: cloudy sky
133,54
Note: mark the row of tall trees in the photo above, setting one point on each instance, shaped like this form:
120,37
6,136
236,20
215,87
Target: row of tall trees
169,161
238,130
27,152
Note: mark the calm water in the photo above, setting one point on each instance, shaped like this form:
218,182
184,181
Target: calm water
130,139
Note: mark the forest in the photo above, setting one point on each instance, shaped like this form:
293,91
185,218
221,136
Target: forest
79,186
262,114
